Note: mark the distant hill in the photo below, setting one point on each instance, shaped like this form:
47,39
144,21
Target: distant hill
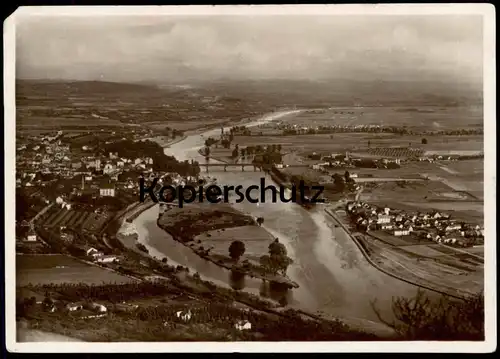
77,87
277,93
349,92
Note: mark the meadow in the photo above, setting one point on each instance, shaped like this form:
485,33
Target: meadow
256,240
55,269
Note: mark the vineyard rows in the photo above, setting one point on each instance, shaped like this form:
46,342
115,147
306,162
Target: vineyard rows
75,219
396,152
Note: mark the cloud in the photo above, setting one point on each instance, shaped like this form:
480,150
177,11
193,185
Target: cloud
315,47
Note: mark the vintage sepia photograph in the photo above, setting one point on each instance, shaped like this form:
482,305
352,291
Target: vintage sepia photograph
250,178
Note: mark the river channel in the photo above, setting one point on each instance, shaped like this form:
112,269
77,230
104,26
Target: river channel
333,275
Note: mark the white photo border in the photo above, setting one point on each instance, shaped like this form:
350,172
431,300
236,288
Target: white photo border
487,11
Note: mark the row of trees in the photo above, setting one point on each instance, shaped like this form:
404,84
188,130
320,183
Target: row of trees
247,151
378,129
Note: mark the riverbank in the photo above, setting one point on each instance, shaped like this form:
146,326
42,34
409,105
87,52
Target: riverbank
139,210
378,264
165,144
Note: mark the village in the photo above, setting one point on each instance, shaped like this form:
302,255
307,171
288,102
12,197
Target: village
433,226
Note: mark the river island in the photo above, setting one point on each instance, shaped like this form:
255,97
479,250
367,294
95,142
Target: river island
229,239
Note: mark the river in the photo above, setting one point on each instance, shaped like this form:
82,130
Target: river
334,277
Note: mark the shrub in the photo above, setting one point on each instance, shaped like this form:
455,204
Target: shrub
419,318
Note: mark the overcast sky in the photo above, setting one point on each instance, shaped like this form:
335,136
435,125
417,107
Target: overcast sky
313,47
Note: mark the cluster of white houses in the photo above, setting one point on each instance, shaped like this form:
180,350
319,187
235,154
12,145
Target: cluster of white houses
100,257
435,226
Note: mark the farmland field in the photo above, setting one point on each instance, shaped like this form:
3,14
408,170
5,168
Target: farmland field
427,250
422,191
447,271
358,142
451,206
25,123
425,117
47,269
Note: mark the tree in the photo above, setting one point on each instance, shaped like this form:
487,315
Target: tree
264,261
424,141
421,318
47,302
281,263
347,176
339,182
236,250
277,249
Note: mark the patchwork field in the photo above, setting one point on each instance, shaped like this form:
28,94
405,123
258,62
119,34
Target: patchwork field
467,176
447,269
454,187
424,117
54,269
415,191
383,144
